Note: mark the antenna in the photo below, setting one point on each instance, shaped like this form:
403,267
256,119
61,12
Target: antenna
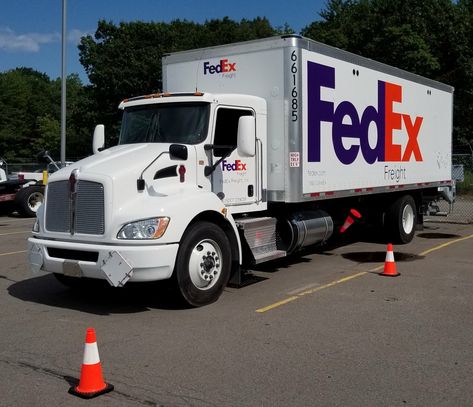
197,70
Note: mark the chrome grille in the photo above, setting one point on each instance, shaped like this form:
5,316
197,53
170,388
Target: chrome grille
88,213
58,213
89,208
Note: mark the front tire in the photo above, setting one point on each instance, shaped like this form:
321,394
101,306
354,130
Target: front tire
203,264
29,199
401,220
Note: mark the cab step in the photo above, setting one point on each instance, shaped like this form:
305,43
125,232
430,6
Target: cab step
260,234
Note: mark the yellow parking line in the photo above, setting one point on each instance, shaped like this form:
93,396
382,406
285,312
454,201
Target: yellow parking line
311,291
353,276
441,246
10,253
277,304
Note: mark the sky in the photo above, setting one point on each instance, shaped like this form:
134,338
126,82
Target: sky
30,30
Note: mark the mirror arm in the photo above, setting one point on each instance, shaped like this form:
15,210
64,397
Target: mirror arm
140,182
209,169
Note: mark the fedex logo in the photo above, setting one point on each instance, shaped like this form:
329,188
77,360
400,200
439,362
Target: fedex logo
347,123
223,67
236,166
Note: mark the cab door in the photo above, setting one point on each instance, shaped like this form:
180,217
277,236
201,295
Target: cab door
235,178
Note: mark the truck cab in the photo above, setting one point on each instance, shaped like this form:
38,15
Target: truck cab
185,164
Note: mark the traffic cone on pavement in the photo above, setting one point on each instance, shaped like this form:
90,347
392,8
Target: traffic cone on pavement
91,382
389,264
351,218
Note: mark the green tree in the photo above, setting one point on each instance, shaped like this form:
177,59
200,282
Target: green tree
431,38
125,60
24,96
49,130
30,114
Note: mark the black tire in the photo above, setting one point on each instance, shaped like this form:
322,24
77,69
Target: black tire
401,220
203,264
28,200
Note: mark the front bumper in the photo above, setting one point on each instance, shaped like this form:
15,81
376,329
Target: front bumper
115,263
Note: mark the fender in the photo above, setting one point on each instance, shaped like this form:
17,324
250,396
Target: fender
182,208
185,210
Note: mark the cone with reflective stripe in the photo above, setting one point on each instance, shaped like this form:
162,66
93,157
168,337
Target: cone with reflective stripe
91,382
351,218
389,264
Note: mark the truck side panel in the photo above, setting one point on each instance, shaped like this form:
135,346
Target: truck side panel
365,129
230,70
338,124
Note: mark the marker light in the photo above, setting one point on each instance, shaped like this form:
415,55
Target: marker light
146,229
182,173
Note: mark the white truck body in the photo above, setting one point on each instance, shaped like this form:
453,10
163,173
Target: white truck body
293,76
258,150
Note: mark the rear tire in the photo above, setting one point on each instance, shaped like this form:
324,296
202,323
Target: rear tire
203,264
29,199
401,219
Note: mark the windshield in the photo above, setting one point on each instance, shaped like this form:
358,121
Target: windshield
185,123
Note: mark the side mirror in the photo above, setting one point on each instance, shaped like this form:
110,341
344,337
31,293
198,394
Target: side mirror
178,152
246,136
98,142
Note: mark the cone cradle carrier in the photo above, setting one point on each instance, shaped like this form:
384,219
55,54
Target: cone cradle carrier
255,151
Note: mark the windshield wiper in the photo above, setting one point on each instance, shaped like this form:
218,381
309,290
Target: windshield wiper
151,128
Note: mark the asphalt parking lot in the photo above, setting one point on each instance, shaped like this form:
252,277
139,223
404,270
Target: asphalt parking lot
321,329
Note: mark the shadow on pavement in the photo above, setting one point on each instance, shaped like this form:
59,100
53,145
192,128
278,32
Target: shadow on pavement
97,297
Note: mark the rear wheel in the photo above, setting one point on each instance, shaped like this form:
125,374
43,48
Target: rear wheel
401,220
203,264
29,199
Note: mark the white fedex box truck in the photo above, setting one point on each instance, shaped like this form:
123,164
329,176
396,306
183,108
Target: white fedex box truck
254,151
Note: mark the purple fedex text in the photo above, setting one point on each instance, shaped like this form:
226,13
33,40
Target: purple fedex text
384,118
222,67
237,165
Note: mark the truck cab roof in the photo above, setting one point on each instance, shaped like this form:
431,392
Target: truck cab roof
180,97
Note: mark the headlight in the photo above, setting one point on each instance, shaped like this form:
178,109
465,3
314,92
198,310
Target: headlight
152,228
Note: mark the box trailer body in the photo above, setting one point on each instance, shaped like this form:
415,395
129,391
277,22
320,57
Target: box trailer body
254,151
337,123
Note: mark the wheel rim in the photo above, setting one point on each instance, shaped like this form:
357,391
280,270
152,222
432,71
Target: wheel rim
35,200
205,264
408,219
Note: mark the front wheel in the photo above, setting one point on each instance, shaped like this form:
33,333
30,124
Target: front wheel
29,199
401,219
203,264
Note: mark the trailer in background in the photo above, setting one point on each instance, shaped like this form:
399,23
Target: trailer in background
23,191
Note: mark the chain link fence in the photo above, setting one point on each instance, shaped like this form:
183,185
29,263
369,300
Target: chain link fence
460,211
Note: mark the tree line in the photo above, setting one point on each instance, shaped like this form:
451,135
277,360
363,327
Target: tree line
431,38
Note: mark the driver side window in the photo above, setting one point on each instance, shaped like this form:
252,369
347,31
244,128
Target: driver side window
226,129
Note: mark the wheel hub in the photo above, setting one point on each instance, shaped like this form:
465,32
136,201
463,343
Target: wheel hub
205,264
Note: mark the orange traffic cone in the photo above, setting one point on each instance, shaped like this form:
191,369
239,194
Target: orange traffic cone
351,218
91,382
389,264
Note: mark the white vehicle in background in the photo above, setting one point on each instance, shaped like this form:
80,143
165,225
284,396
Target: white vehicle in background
282,138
